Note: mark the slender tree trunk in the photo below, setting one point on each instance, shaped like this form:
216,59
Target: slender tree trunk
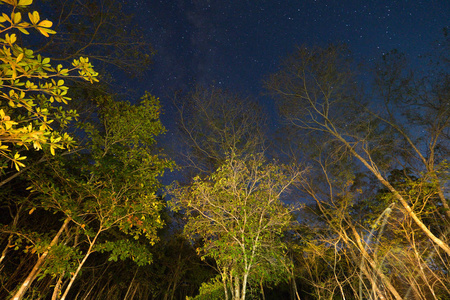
13,227
94,283
237,288
374,266
5,250
224,283
372,282
396,194
262,289
294,290
56,290
166,294
244,285
131,284
32,275
80,265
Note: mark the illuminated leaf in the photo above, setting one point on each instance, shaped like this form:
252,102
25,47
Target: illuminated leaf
25,2
45,23
17,17
5,17
23,30
34,17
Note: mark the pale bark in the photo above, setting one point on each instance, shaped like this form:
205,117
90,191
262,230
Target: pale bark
224,283
80,265
56,290
13,227
397,195
37,267
374,266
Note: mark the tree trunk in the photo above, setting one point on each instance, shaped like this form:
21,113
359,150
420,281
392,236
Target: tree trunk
262,289
13,227
130,285
396,194
224,283
294,290
237,288
80,265
374,266
244,285
56,290
32,275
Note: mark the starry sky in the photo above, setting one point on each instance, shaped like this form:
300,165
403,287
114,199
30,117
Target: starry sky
235,44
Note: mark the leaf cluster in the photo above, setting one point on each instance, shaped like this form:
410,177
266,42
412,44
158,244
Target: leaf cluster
32,92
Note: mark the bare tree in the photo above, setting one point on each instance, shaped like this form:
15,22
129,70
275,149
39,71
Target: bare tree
99,29
318,94
212,122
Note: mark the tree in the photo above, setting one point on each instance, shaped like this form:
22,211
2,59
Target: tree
318,95
106,201
238,214
32,91
101,30
212,122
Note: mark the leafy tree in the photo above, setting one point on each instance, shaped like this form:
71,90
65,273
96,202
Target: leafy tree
32,91
108,200
212,290
238,214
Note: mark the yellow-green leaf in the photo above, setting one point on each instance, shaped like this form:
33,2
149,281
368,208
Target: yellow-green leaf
17,17
25,2
18,164
23,30
46,23
34,17
6,18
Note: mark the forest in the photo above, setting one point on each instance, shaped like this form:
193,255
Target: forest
347,199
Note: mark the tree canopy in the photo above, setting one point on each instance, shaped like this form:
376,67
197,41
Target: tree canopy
347,200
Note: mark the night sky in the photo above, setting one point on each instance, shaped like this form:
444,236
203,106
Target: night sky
234,44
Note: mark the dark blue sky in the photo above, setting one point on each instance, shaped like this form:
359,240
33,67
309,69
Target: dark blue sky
235,43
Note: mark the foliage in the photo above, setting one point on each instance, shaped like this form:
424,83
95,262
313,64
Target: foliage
238,215
126,248
32,91
116,187
106,193
210,290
